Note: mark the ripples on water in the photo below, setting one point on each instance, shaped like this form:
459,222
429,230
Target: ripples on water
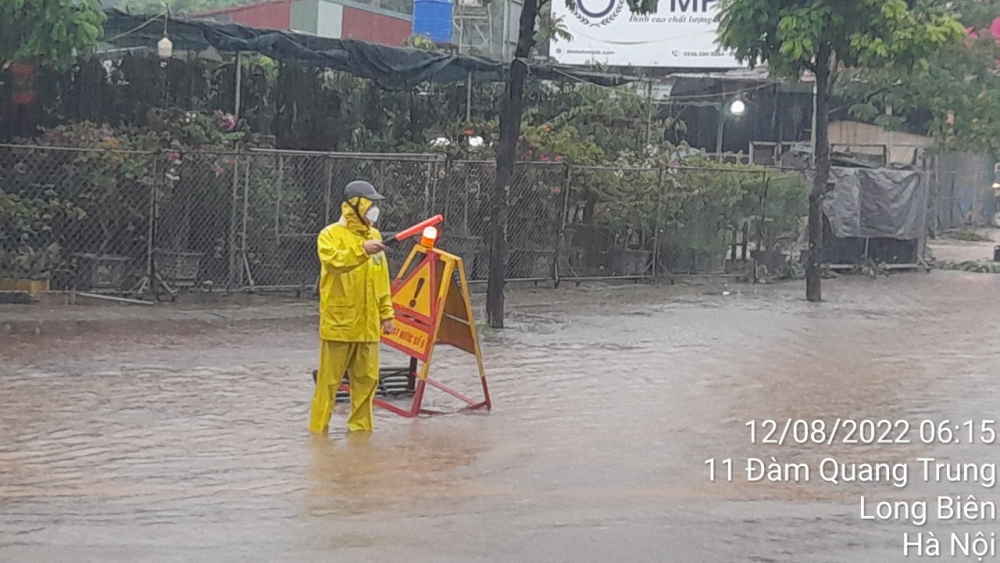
193,447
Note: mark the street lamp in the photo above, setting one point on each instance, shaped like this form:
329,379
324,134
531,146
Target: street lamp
737,108
165,47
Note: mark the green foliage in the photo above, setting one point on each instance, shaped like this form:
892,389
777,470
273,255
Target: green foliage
48,32
615,183
825,37
788,36
707,201
959,90
550,28
29,245
96,199
572,123
977,14
969,236
420,42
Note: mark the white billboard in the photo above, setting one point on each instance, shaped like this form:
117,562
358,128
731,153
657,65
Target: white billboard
680,34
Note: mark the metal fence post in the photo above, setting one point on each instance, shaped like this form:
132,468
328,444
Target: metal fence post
277,205
328,172
151,227
657,221
428,190
561,236
465,199
245,264
232,224
762,238
447,186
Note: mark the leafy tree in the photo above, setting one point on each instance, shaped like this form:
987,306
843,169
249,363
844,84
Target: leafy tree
954,97
825,37
48,32
973,13
533,25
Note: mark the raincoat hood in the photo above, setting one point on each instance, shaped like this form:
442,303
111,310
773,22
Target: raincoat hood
350,219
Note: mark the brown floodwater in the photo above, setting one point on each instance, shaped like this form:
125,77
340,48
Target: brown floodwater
189,446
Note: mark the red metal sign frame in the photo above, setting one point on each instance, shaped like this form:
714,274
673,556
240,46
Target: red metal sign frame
451,264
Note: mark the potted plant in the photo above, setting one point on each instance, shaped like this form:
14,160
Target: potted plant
28,270
31,220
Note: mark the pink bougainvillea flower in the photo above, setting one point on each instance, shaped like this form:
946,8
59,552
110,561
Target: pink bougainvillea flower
995,29
174,158
219,171
555,191
544,158
228,121
558,159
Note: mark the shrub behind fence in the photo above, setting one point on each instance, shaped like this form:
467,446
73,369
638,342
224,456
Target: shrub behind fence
106,220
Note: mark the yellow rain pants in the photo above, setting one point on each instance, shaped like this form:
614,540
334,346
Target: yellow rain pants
360,361
354,301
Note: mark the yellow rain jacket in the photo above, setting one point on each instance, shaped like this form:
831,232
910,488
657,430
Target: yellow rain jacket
354,295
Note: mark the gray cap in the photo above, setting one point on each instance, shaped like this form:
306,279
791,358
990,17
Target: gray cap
360,188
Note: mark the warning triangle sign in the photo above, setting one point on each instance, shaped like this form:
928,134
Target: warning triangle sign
416,294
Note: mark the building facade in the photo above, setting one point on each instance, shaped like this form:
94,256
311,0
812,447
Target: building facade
334,19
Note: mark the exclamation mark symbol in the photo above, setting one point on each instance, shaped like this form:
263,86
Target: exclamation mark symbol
420,286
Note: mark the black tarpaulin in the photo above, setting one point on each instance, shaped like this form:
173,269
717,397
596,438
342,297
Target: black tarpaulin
392,68
879,203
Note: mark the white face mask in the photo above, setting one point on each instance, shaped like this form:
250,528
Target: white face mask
372,214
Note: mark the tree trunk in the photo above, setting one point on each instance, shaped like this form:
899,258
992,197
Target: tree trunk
814,291
510,129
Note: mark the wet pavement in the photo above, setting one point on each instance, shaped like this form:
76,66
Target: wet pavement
191,445
947,248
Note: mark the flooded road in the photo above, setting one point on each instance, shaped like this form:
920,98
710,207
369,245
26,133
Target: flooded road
190,447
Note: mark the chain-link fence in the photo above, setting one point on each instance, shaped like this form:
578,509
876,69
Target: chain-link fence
128,222
80,218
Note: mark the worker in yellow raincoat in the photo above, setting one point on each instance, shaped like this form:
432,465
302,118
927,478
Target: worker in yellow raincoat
355,309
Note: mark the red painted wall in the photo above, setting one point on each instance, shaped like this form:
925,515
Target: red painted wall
269,15
376,28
